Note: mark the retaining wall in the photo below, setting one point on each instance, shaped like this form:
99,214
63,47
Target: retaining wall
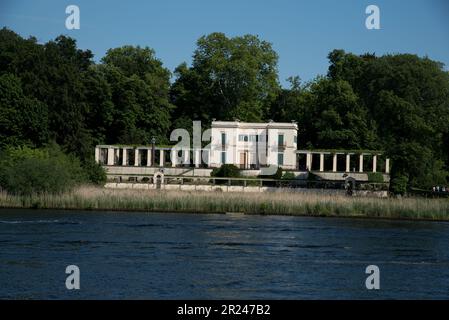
225,188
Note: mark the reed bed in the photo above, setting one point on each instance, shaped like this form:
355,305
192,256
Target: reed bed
278,203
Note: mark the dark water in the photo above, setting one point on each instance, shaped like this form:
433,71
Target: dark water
185,256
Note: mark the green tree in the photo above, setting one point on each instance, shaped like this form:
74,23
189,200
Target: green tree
337,118
140,86
289,104
23,120
51,92
229,78
407,100
29,171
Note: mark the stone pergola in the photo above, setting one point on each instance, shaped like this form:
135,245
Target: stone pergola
110,155
335,154
118,156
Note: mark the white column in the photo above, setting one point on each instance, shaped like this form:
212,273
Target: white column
348,163
236,155
197,158
309,161
185,156
136,157
117,156
149,160
387,165
110,156
321,162
375,163
334,163
173,157
206,155
161,158
361,163
97,154
125,155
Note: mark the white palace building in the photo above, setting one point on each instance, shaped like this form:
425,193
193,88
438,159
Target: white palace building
252,145
249,146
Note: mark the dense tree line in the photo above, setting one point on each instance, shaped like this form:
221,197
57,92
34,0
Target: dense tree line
55,93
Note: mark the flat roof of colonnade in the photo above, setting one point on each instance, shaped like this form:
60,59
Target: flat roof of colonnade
130,146
300,151
340,151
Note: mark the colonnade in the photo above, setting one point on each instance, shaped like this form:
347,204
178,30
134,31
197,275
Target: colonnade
361,158
118,156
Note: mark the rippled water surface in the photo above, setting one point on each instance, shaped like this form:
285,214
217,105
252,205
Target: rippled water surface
188,256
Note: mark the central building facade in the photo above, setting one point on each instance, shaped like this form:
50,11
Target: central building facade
253,145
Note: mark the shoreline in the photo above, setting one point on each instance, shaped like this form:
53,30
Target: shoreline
299,215
87,198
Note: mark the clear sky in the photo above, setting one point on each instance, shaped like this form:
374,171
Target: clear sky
302,32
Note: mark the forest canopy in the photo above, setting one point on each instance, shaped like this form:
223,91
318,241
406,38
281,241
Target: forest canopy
54,93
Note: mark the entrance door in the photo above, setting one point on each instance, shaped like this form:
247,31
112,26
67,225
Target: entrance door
243,160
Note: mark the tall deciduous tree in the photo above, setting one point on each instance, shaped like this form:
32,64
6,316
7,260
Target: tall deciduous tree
407,98
337,118
140,86
23,120
229,78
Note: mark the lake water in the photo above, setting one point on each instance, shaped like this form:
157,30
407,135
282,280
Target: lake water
187,256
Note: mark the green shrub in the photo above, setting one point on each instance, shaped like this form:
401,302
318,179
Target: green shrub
94,172
398,184
226,171
288,176
375,177
27,171
278,174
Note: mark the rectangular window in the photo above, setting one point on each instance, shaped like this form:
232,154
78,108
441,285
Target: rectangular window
223,157
280,159
243,137
223,138
253,138
295,139
281,139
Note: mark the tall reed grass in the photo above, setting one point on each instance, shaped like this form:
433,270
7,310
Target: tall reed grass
279,203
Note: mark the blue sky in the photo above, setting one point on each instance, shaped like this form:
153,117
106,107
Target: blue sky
302,32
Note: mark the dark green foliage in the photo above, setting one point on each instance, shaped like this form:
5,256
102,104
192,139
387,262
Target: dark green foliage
28,171
226,171
140,86
338,120
396,103
55,92
23,120
288,176
94,172
399,183
407,99
278,174
375,177
229,78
